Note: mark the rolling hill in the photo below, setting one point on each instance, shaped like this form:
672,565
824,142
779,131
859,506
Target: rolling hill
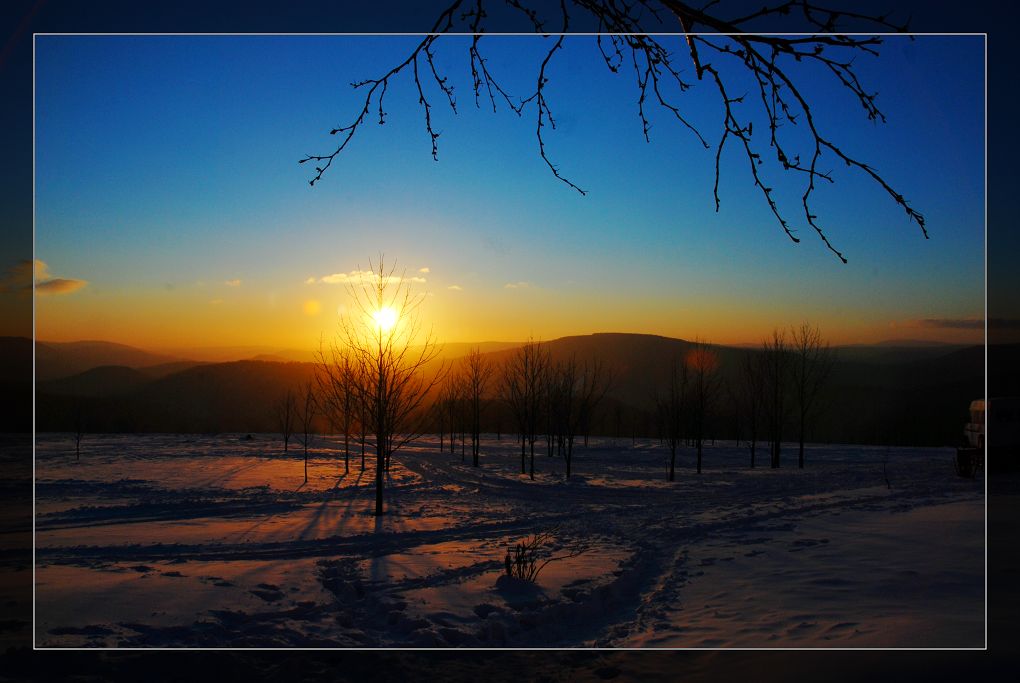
921,399
55,360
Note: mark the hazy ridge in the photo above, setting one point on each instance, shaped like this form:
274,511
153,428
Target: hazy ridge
883,394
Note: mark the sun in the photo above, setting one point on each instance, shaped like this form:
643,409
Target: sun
385,318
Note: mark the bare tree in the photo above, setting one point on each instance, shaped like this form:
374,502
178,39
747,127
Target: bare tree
768,77
438,417
551,414
477,372
776,379
752,375
521,387
384,335
338,386
703,364
671,405
579,388
307,412
451,409
286,414
79,427
462,412
810,367
363,413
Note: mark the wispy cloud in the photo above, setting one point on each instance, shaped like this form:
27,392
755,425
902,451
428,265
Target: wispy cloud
364,277
456,288
216,302
233,283
424,270
45,282
517,285
59,285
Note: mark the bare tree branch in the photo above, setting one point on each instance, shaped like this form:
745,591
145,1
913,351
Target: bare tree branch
724,48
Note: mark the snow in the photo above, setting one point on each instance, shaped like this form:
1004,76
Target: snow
217,541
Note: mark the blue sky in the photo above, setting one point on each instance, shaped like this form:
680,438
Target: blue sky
167,167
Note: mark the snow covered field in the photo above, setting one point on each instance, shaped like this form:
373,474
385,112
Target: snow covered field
216,541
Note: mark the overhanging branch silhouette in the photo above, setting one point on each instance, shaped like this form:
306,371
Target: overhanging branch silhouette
721,48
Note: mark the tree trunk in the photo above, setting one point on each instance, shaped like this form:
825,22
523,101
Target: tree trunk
569,451
347,450
532,471
800,451
380,457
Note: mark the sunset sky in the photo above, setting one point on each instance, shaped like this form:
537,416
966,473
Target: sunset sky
171,210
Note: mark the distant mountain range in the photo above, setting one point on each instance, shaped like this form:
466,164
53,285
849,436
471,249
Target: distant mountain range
62,359
883,393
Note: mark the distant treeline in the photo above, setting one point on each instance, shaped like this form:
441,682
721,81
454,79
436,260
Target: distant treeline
920,400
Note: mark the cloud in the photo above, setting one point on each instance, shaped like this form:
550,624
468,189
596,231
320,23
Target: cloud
424,270
59,285
517,285
310,281
365,277
216,302
456,288
233,283
19,277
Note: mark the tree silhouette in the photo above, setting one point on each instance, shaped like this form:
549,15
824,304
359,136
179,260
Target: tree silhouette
79,426
702,364
521,386
717,44
286,414
671,405
752,379
307,411
451,408
475,376
337,377
383,333
579,388
810,367
776,378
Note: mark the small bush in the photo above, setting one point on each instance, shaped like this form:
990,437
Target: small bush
523,560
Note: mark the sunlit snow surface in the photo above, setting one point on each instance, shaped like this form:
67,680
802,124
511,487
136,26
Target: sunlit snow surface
216,541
